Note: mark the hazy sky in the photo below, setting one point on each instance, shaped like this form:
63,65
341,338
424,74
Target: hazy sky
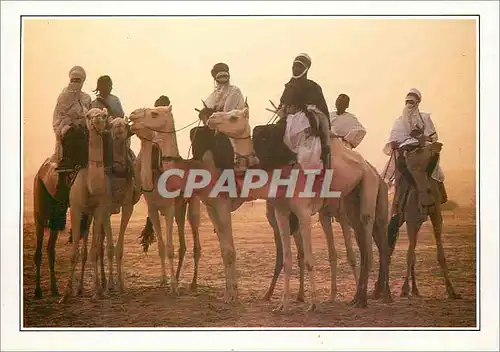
374,61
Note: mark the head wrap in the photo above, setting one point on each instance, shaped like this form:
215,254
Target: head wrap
304,60
77,72
416,93
162,101
219,68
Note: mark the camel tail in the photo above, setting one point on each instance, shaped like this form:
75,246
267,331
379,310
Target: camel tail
147,236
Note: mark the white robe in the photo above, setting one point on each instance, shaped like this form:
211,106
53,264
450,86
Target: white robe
225,98
70,109
298,139
348,127
400,133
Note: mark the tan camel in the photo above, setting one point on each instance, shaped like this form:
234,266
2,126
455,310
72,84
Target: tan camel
158,124
220,208
361,214
124,192
90,193
163,137
422,200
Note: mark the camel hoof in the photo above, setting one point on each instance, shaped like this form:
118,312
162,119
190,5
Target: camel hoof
415,293
64,298
357,303
312,307
55,293
454,295
405,291
300,297
79,292
280,308
267,296
38,292
387,298
121,287
193,287
163,282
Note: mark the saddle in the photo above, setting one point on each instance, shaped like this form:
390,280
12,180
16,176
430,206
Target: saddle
269,146
204,139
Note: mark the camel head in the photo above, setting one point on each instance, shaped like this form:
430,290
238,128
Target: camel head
421,162
118,128
147,121
234,124
97,120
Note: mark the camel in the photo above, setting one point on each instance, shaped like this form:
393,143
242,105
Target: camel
219,207
163,138
49,214
90,193
124,193
236,126
422,200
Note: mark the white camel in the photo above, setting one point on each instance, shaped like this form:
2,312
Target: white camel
360,212
90,193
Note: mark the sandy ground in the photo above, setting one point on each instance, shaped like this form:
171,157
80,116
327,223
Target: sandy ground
146,304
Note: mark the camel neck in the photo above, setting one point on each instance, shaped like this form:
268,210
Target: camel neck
241,145
167,143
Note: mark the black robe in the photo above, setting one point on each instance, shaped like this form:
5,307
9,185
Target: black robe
310,93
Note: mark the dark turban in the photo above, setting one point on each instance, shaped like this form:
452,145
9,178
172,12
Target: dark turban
220,67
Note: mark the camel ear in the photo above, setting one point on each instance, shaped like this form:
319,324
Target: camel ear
169,109
246,113
110,119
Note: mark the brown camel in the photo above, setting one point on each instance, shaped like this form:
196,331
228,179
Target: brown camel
422,199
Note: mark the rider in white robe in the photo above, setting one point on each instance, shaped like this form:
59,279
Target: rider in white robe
346,125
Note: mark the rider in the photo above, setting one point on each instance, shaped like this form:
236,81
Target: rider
225,97
346,125
105,99
69,126
163,100
413,127
311,99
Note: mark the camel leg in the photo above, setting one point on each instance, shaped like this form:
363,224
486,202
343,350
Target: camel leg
300,259
351,255
38,258
126,211
305,231
169,226
155,220
326,225
359,300
194,222
75,225
84,261
51,253
412,228
219,211
180,220
271,218
100,256
110,250
437,224
282,217
95,251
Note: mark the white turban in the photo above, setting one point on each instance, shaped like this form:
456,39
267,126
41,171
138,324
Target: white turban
416,92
